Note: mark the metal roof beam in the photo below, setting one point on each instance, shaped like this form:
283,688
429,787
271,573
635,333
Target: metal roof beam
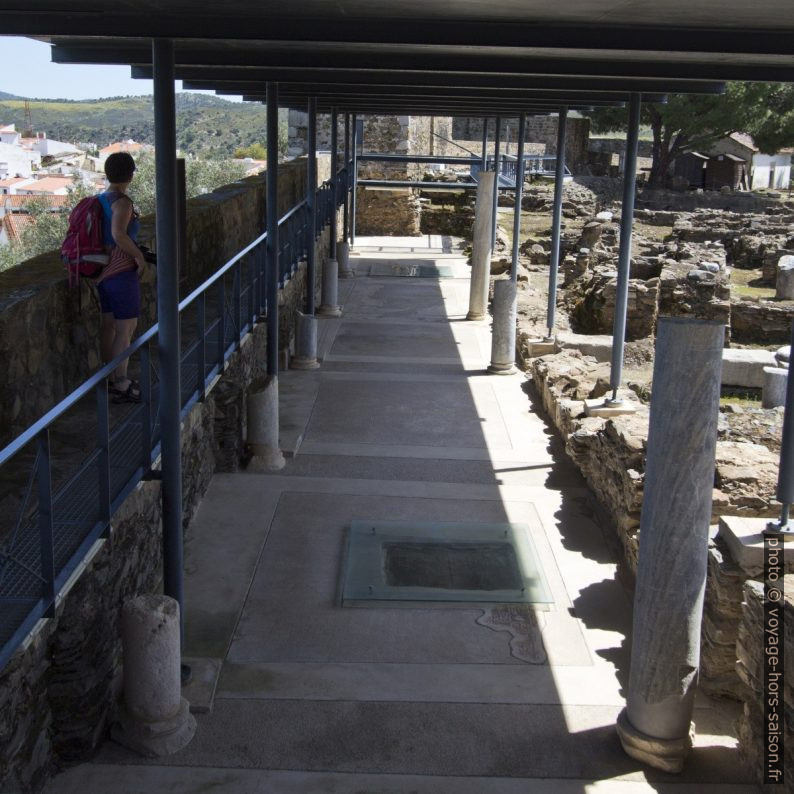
341,89
445,79
407,29
523,61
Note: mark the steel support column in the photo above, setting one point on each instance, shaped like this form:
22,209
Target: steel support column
272,229
345,219
624,255
484,162
522,125
497,136
334,182
355,183
556,222
311,208
168,315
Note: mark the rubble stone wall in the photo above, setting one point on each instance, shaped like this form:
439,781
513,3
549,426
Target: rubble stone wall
539,130
752,723
610,453
49,332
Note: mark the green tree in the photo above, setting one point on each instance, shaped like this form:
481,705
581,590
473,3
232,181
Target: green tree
201,176
256,151
691,122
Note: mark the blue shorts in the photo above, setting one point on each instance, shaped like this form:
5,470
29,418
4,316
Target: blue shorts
121,295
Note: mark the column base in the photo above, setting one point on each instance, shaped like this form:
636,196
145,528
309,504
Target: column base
265,458
476,317
502,369
304,363
155,739
329,311
665,754
605,409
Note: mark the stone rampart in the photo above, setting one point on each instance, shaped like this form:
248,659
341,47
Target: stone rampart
49,337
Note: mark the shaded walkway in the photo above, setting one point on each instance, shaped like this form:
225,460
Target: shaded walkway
402,423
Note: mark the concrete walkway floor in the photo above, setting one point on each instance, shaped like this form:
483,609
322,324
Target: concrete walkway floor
402,423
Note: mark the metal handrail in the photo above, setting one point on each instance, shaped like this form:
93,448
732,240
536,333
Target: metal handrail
51,538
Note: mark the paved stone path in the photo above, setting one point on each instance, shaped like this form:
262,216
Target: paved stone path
402,423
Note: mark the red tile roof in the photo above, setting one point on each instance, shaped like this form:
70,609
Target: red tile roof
121,146
15,224
49,184
12,180
17,202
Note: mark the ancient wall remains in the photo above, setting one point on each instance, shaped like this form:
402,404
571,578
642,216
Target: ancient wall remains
540,130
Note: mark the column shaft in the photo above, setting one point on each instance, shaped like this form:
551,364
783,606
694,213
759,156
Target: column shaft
556,222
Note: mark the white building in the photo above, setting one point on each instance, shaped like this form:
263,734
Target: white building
16,161
50,148
766,170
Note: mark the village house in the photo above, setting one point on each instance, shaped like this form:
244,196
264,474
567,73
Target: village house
771,171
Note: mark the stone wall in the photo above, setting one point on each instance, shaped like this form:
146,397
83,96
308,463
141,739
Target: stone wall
752,723
49,337
610,454
59,692
765,322
539,130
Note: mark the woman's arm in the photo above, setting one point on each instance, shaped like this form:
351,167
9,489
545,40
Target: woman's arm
120,220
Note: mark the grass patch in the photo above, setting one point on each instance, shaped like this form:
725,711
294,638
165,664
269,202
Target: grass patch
747,284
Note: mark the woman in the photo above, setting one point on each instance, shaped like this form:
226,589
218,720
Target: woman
119,291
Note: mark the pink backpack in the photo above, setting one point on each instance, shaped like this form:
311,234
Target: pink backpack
84,238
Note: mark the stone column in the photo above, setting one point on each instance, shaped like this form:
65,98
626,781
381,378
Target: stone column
784,283
775,384
655,726
155,719
262,441
305,342
343,258
481,247
329,306
503,336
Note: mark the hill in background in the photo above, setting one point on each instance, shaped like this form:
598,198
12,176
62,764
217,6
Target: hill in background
206,126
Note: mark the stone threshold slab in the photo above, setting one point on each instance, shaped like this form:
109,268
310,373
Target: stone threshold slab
134,779
516,683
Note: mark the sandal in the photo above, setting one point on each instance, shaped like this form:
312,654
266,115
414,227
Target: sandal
132,394
114,390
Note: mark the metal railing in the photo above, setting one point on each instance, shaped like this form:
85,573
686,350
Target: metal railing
534,165
58,497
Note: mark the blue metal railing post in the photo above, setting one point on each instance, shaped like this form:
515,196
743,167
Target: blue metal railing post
522,124
103,445
238,299
221,330
168,316
311,204
251,271
46,539
146,413
272,229
556,223
494,218
201,347
334,181
624,254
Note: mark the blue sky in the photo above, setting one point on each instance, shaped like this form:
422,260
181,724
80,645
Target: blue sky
38,78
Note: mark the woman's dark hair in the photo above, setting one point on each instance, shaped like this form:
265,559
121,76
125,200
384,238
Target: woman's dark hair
119,167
